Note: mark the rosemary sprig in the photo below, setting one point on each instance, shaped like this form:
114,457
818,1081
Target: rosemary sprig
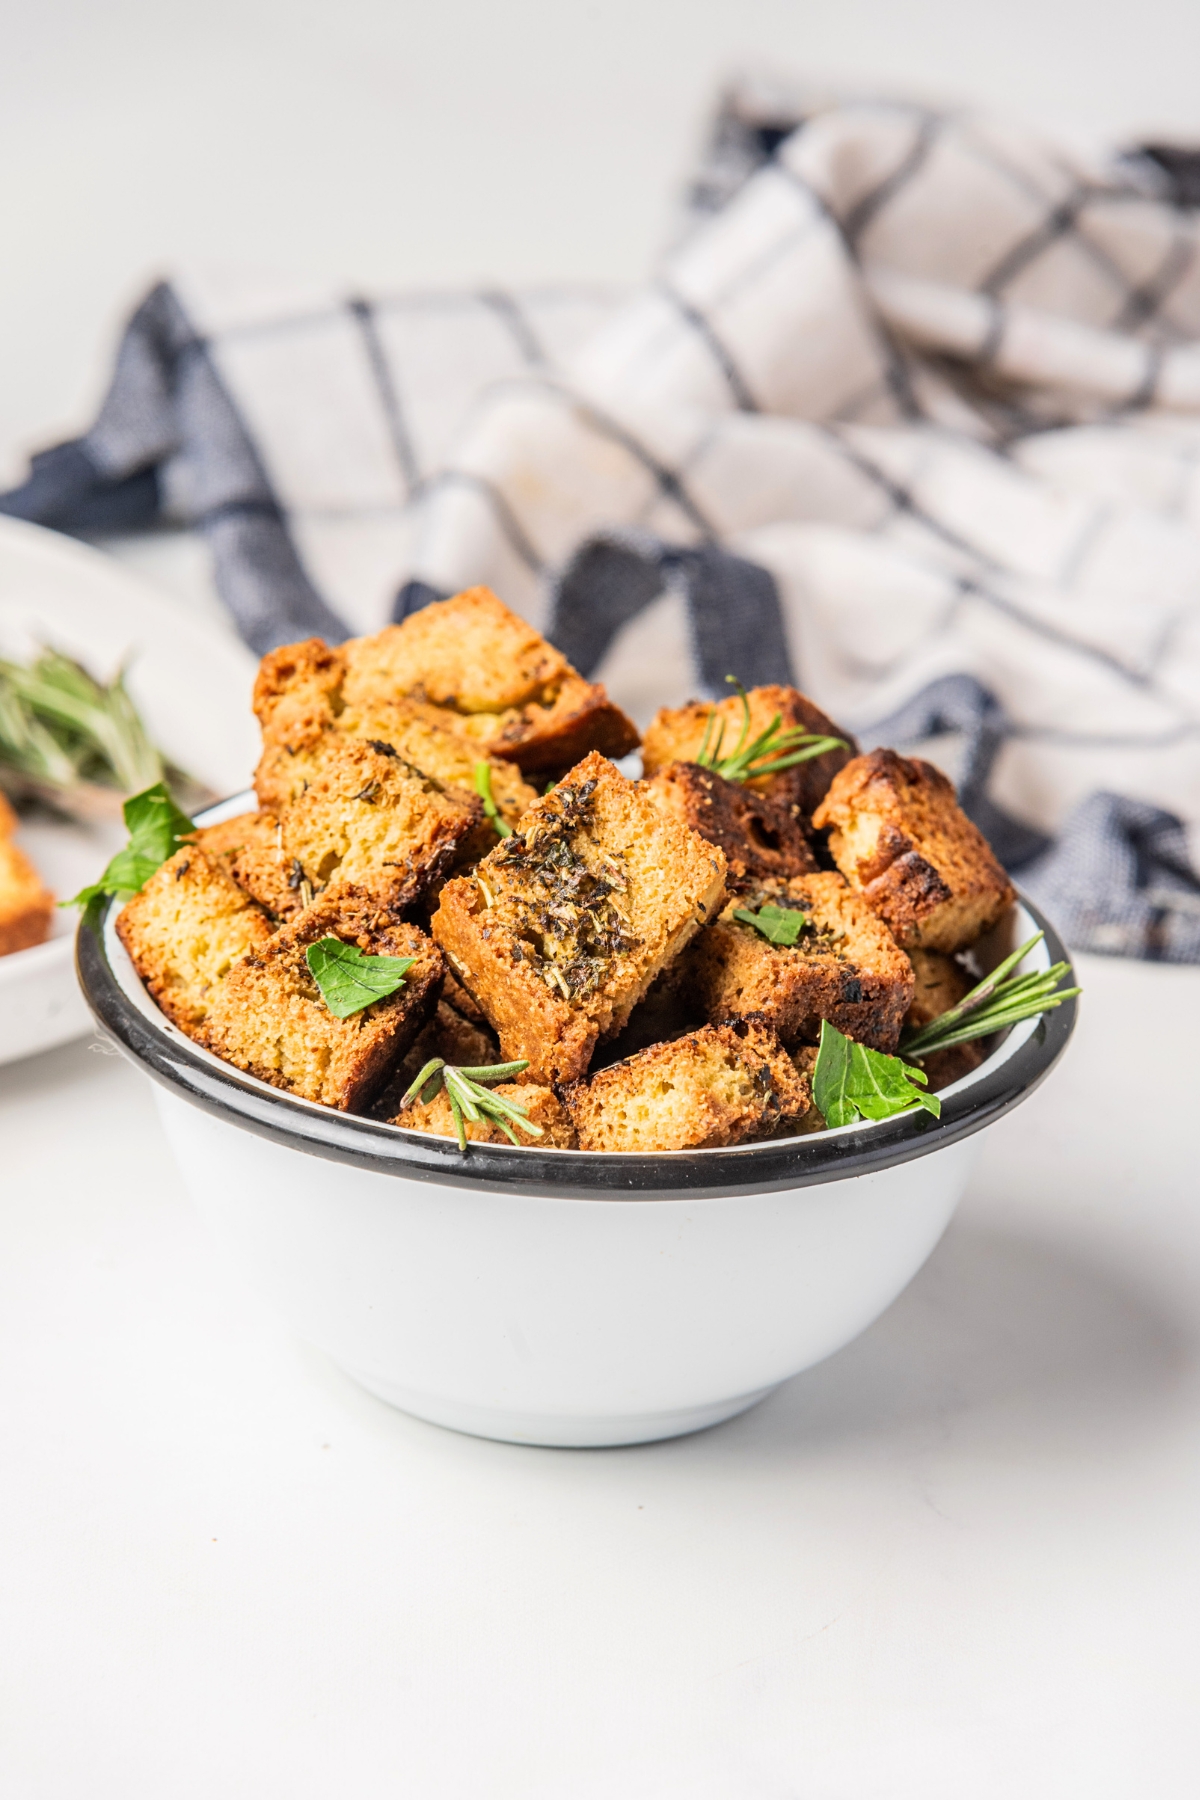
772,750
483,787
469,1099
1000,1000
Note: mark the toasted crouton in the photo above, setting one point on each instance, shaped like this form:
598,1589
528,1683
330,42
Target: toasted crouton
26,907
677,734
561,929
250,850
429,737
760,837
299,686
844,966
900,838
370,821
511,692
8,818
448,1035
940,984
186,929
268,1016
719,1085
542,1107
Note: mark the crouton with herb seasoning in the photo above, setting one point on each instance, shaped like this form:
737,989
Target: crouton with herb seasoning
899,836
186,929
760,837
560,931
448,1035
842,964
268,1016
542,1107
719,1085
940,984
510,692
250,850
678,733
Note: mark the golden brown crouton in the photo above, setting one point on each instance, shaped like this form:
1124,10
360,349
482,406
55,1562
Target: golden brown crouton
268,1016
542,1107
370,821
26,907
720,1085
430,737
185,931
844,966
8,818
900,838
940,984
512,693
250,850
677,734
299,685
561,929
759,836
448,1035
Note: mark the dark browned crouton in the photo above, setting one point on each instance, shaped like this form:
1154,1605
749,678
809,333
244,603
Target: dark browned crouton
185,931
542,1107
562,928
760,837
940,984
677,734
448,1035
844,966
268,1016
512,694
719,1085
900,838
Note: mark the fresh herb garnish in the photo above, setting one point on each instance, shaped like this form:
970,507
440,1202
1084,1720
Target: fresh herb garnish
779,924
483,787
852,1082
1001,999
773,750
350,978
157,829
471,1101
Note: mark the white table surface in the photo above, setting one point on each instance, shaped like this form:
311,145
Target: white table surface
958,1559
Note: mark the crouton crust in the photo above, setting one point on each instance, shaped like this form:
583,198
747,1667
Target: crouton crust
760,836
298,686
448,1035
26,907
268,1016
900,838
940,984
719,1085
562,928
513,695
845,967
250,850
542,1107
186,929
677,734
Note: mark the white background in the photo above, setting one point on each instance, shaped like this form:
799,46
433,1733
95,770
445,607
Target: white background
957,1561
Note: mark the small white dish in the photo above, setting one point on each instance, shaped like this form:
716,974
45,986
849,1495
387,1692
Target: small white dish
192,687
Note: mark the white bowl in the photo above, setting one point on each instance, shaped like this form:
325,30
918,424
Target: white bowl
561,1296
191,684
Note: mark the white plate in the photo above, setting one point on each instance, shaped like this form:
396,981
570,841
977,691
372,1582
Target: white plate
191,684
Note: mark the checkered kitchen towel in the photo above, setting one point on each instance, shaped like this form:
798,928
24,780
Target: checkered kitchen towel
910,415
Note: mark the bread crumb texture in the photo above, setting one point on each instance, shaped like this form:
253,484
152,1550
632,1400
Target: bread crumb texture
899,836
677,733
186,929
719,1085
562,928
760,837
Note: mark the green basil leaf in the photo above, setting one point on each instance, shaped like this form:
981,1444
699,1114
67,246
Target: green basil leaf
350,978
157,829
779,924
851,1082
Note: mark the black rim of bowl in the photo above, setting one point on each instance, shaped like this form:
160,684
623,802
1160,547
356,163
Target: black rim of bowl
1001,1083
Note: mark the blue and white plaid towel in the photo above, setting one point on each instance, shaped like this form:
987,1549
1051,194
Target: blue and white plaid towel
910,416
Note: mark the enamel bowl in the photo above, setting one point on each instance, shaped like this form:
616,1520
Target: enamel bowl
562,1296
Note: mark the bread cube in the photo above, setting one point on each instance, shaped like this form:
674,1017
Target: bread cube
677,734
844,966
560,930
299,687
268,1016
512,694
542,1107
448,1035
250,850
760,837
940,984
719,1085
26,907
900,838
186,929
